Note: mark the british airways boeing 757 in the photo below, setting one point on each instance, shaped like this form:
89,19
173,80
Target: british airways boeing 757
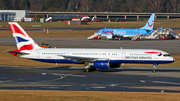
92,58
128,32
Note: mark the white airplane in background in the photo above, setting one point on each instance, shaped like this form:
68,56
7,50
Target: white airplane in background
92,58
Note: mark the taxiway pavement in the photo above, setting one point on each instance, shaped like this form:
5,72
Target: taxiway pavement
71,78
137,79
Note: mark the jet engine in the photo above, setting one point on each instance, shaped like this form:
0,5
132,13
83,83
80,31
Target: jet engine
115,65
101,64
105,64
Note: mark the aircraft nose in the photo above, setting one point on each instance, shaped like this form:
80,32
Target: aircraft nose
173,60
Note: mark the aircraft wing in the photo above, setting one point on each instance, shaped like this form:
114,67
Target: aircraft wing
82,59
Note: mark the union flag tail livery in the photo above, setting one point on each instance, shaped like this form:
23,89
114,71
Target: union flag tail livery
150,23
23,40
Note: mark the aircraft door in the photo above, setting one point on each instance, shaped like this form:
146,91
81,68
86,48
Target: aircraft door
123,54
38,54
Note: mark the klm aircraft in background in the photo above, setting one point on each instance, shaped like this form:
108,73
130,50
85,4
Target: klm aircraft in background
111,33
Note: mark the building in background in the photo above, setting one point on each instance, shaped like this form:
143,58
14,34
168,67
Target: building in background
16,15
7,16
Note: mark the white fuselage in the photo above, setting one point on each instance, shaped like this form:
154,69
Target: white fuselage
57,55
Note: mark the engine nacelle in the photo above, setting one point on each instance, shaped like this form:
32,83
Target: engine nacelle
115,65
101,64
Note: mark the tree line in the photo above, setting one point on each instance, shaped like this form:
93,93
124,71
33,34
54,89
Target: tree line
155,6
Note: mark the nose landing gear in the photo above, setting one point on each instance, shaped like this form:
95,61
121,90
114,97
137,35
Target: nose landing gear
154,67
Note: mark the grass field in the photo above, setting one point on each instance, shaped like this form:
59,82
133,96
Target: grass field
53,33
135,24
49,95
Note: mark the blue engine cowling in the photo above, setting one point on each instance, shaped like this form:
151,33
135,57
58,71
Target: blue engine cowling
101,64
115,65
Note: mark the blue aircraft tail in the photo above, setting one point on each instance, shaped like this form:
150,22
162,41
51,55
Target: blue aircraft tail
150,23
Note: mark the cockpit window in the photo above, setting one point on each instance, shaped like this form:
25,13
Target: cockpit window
166,55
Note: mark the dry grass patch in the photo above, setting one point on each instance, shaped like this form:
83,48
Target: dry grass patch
64,33
6,34
50,95
158,23
54,33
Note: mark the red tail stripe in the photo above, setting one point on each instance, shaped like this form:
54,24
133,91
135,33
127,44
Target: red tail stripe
15,29
14,53
28,47
154,52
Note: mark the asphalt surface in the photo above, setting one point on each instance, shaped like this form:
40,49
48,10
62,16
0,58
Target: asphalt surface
136,79
166,79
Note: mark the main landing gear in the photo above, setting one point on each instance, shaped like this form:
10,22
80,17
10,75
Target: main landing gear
119,38
154,67
88,68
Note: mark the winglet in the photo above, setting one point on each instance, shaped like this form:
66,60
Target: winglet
160,29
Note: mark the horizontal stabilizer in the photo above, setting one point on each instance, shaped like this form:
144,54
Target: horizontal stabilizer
17,53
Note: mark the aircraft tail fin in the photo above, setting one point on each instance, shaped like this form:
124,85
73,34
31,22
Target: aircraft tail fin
23,40
150,23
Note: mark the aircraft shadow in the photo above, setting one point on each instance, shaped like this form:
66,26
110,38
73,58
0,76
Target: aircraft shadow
140,70
61,68
68,68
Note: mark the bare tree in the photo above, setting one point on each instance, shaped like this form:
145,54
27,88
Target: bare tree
155,5
110,5
85,5
174,6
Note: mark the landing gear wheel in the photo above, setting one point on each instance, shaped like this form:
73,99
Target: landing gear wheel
113,37
88,70
83,70
154,67
119,38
